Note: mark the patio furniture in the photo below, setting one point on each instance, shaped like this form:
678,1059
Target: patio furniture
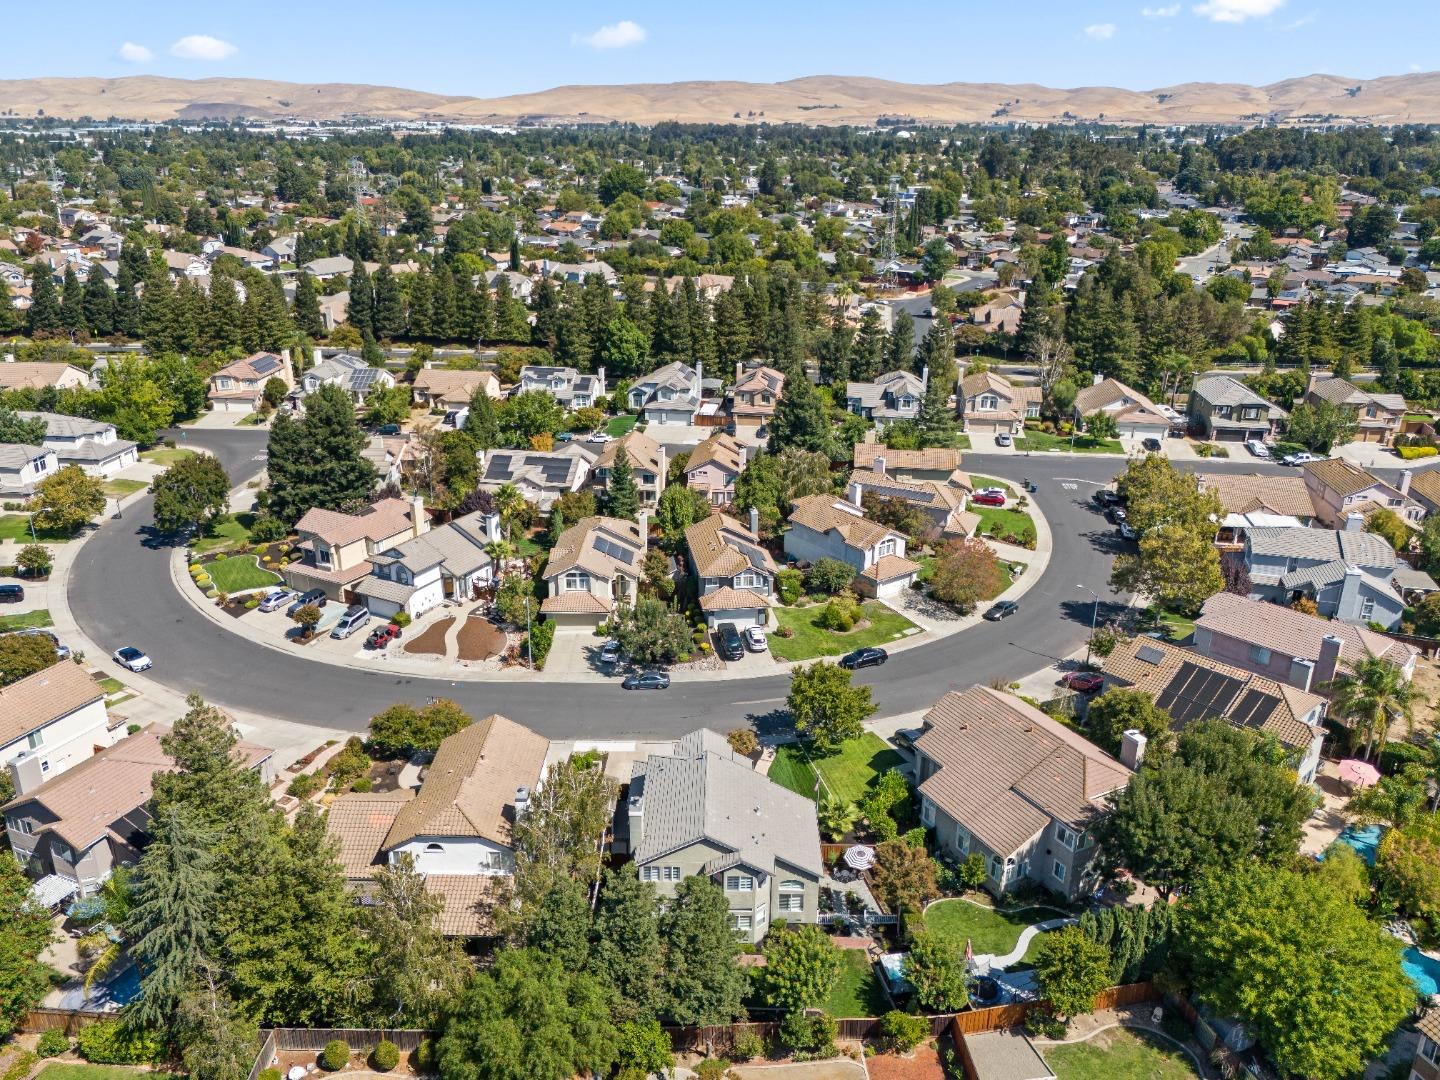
1360,774
860,857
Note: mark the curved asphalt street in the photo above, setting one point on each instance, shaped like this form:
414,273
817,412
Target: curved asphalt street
121,592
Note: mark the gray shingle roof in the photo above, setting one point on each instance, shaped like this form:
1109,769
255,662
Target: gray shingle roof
1223,390
1354,548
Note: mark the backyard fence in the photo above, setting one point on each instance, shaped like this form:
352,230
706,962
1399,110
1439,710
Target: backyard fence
70,1021
266,1057
722,1036
315,1039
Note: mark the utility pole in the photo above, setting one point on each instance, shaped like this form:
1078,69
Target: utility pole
1094,613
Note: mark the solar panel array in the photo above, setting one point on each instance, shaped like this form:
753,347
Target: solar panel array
1150,654
263,365
363,379
607,546
1197,693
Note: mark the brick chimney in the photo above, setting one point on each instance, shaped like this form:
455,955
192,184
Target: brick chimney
1325,667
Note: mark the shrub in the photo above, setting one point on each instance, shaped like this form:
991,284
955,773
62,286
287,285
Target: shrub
1410,453
1043,1022
107,1043
743,741
401,619
212,594
202,579
52,1043
424,1057
266,528
35,560
351,763
747,1045
812,1035
303,786
252,604
537,643
915,837
336,1055
902,1032
385,1056
840,614
271,1073
789,584
712,1069
829,576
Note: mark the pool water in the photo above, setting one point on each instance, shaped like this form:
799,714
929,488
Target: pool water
1423,971
1365,839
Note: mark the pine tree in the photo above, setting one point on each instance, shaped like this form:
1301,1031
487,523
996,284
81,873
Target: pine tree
481,423
127,303
317,461
44,314
937,415
625,951
442,303
800,422
222,327
389,304
900,346
546,300
362,300
622,494
868,353
307,307
99,305
72,303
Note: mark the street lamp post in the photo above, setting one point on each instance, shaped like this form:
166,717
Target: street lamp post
1094,614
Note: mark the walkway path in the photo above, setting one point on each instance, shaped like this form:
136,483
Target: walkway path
1015,955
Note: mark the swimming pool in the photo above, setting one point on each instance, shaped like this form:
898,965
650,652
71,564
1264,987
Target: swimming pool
1422,970
1365,839
106,996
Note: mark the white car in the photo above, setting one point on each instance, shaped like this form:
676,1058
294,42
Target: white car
132,658
755,639
1003,439
991,491
1258,448
599,438
276,598
1301,458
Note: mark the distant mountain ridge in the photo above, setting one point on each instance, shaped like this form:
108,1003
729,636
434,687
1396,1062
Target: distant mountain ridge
818,99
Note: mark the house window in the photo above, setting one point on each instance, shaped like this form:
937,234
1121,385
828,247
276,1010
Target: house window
997,868
1067,837
434,849
989,403
576,581
34,739
1429,1050
1395,502
1059,870
887,547
740,883
650,873
1250,414
1259,654
750,580
322,556
962,840
907,402
740,922
20,825
1367,609
927,812
672,873
792,896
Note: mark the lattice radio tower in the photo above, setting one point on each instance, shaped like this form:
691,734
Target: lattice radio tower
358,173
892,221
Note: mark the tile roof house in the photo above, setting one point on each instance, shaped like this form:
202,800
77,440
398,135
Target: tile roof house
1378,417
350,373
1136,416
444,388
932,463
456,828
1192,686
668,395
892,397
541,475
92,817
756,393
703,809
1338,489
714,466
326,268
564,384
647,465
447,562
999,778
1226,410
735,575
51,720
992,404
943,502
1426,1063
828,527
240,386
23,466
24,375
91,444
1251,493
595,564
336,548
1348,573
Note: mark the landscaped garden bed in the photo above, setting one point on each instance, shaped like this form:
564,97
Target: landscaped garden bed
238,574
480,639
431,641
1081,444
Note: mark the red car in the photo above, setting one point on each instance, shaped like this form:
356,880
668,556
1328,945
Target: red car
382,636
1084,682
988,498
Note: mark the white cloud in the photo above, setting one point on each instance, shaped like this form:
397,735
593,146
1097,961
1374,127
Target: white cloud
1169,11
135,54
1237,11
619,35
1100,31
1304,20
202,47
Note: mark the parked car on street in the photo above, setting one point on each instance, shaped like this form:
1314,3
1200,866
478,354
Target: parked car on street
130,657
1003,609
1083,682
354,618
1116,514
647,680
388,429
382,636
1105,497
988,498
755,639
1300,459
863,658
12,594
728,643
599,437
1127,531
276,598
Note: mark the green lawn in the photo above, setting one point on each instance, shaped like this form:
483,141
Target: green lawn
811,641
239,573
620,425
164,455
1010,522
231,532
1118,1054
118,489
857,991
26,620
17,527
64,1071
988,931
109,685
1083,444
791,771
848,773
527,548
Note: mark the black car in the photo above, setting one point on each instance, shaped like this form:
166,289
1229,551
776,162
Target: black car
314,596
388,429
12,594
1107,498
1153,445
728,642
647,680
1116,514
864,658
1002,610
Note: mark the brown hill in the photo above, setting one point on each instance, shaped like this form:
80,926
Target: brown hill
820,99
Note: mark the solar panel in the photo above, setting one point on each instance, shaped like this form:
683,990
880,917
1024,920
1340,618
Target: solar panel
265,364
614,550
554,471
362,380
1254,709
1196,693
1150,654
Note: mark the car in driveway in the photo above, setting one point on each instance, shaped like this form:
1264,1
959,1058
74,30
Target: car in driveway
1152,444
1003,439
610,652
1127,531
1083,682
354,618
127,656
276,598
728,643
647,680
599,438
863,658
314,596
755,639
1258,448
1002,609
12,594
988,498
382,636
1302,458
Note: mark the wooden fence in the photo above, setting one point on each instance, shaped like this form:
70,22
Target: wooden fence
266,1056
70,1021
315,1039
722,1036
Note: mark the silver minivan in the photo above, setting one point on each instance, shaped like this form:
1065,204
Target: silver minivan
354,618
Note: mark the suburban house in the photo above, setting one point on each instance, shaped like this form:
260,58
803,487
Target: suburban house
91,444
827,527
943,502
22,467
1134,414
350,373
647,465
81,824
542,476
1191,686
1426,1064
1338,489
999,778
934,463
714,466
329,267
1424,488
456,828
1252,493
1379,417
336,548
444,388
892,397
668,395
1290,646
703,809
1347,572
564,384
596,564
753,401
240,386
52,720
1226,410
991,404
447,562
735,575
37,375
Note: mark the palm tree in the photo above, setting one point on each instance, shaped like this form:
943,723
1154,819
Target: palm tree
101,943
509,502
500,552
1371,697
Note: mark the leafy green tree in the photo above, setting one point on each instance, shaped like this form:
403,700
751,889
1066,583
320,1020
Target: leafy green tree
67,500
624,349
528,1018
771,482
679,508
830,576
528,414
1324,1004
826,707
318,461
1071,970
800,422
702,982
1179,567
24,654
1321,425
192,492
622,494
625,944
650,633
801,966
24,980
389,405
1119,710
136,396
966,572
620,179
403,730
218,1040
904,876
416,971
1371,697
559,924
935,966
35,560
16,429
643,1049
1101,425
936,260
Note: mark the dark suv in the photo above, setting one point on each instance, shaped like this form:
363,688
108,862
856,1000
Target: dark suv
728,642
12,594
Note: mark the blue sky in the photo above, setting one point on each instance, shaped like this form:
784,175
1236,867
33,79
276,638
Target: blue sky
483,49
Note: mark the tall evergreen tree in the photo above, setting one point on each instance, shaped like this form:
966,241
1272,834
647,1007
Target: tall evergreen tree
800,422
307,307
44,313
362,300
72,303
625,949
868,353
481,423
937,415
900,346
702,982
318,461
622,494
127,303
222,326
99,305
389,317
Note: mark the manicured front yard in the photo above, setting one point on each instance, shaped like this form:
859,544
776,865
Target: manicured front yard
232,532
118,489
17,527
1083,444
65,1071
166,455
1118,1054
988,931
857,991
927,571
791,771
619,425
1000,521
26,620
848,773
239,573
810,641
